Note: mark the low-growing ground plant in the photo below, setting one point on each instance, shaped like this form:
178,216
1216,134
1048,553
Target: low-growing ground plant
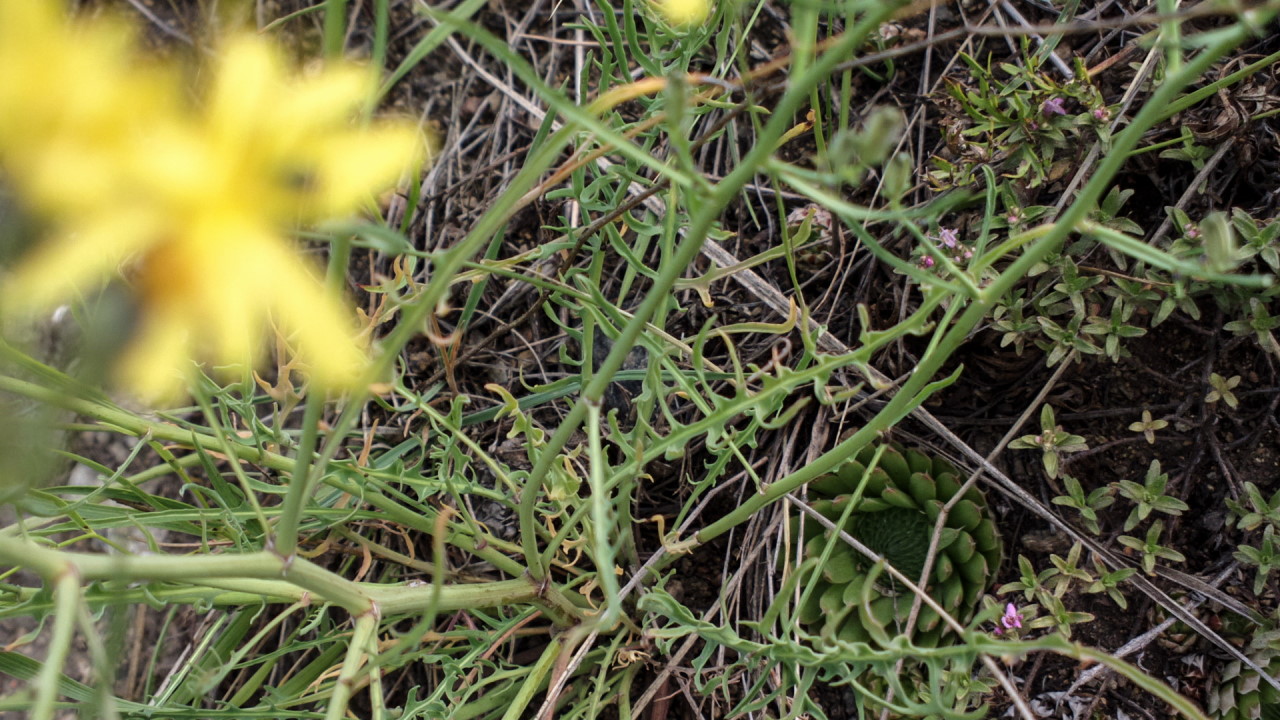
421,360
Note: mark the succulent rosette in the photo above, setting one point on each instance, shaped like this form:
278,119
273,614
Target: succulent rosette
1241,694
894,515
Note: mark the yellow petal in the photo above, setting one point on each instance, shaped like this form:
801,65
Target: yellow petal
317,325
328,99
249,79
157,362
359,163
64,266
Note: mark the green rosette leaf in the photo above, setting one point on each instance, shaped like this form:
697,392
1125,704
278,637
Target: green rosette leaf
895,517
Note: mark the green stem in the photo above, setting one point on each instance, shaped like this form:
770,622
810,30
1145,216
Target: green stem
357,651
187,568
300,485
165,432
381,23
534,682
603,522
1208,91
335,27
66,596
286,531
251,578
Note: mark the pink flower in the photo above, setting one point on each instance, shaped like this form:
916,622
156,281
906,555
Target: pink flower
1010,620
1102,114
1053,106
947,238
926,262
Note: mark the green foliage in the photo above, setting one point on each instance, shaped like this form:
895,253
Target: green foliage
1057,616
1151,548
482,532
1087,505
1030,583
1052,442
1258,512
1259,509
1258,322
890,502
1265,558
1148,496
1109,582
1016,119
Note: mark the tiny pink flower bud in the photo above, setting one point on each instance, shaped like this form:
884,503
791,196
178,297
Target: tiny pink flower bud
926,262
1103,114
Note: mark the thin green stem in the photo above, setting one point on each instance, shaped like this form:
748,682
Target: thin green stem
533,684
381,23
357,652
286,531
1192,98
187,568
335,27
66,597
603,522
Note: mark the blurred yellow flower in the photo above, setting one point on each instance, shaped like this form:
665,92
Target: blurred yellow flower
684,12
193,205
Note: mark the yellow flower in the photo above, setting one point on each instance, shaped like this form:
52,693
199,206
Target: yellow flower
195,205
684,12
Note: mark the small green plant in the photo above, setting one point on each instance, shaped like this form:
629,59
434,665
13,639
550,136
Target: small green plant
1115,328
1257,240
1057,616
1088,505
1258,511
1264,558
1189,151
1259,322
1108,212
1222,388
1010,319
1052,442
1149,495
1109,582
893,513
1030,583
1148,427
1151,548
1017,120
1067,571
